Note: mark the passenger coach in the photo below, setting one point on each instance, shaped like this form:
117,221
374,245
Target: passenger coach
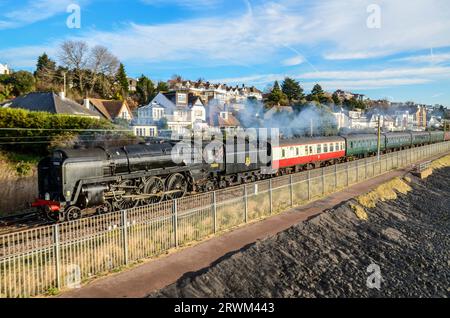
299,154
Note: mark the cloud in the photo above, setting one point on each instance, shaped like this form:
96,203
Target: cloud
26,56
350,79
34,11
296,60
379,74
430,58
191,4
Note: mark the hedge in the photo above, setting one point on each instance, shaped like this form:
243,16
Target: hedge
38,131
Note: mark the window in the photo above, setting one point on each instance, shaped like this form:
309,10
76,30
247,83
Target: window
307,150
310,150
351,144
325,148
283,153
319,149
337,147
298,151
198,113
182,98
331,147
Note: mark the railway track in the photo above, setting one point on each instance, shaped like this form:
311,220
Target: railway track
23,221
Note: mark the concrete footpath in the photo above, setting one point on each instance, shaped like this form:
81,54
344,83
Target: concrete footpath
155,274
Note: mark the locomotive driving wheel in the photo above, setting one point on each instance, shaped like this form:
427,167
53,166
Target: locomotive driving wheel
105,208
73,213
176,186
126,200
154,187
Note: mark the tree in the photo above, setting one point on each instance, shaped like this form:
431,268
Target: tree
101,61
336,100
162,87
122,80
145,90
292,89
45,72
276,96
74,56
22,82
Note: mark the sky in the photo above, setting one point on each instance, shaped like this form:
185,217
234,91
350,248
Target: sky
394,49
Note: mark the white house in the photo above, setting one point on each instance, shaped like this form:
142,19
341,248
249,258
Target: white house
180,109
4,70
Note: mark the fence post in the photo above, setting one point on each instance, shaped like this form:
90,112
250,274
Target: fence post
348,173
125,235
335,177
57,255
291,189
271,196
246,203
365,164
357,171
309,185
323,181
215,212
175,221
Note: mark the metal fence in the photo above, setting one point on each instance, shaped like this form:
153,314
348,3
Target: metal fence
43,260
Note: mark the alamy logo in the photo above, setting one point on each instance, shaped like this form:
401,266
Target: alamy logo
73,276
374,19
374,280
74,19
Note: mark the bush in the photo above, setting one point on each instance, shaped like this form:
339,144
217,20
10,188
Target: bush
34,132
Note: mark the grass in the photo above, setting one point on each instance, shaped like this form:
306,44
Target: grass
441,163
384,192
360,212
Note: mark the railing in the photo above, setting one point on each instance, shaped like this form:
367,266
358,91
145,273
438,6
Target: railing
49,258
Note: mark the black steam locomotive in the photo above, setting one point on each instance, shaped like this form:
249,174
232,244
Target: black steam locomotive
76,182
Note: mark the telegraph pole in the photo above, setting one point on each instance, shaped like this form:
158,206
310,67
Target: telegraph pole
379,137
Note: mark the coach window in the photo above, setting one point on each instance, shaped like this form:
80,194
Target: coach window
298,151
310,150
319,149
307,150
325,148
283,153
331,147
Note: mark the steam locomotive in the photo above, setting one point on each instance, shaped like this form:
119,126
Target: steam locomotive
77,182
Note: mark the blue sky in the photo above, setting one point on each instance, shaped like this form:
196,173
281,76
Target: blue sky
397,49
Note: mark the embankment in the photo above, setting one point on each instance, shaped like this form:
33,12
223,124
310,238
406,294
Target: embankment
16,192
402,227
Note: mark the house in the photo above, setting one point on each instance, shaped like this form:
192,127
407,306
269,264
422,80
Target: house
4,70
51,103
357,120
179,109
343,95
219,116
145,130
410,116
220,93
109,109
342,119
132,84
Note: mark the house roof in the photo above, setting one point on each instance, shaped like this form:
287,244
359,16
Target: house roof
230,122
109,108
50,103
